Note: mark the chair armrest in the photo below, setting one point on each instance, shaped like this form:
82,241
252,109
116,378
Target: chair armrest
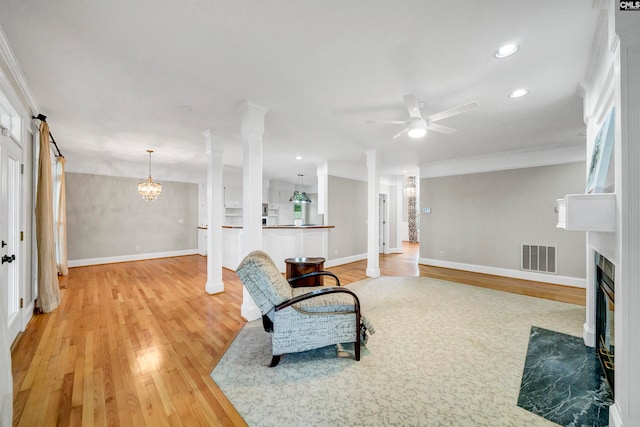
315,273
317,293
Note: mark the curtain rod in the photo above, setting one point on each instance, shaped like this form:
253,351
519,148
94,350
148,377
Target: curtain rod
43,118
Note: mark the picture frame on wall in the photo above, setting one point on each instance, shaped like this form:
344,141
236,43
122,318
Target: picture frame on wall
601,155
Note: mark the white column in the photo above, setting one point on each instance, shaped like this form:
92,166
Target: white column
214,147
399,200
373,231
252,129
626,410
323,184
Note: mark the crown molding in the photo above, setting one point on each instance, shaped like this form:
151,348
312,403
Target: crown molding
598,48
508,160
8,57
600,4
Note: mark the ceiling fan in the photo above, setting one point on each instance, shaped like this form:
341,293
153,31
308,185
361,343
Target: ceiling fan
419,125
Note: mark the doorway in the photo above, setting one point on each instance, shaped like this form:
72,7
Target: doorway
10,155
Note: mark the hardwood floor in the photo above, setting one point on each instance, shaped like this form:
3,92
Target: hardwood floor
133,344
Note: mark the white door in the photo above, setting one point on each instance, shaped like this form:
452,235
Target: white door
10,155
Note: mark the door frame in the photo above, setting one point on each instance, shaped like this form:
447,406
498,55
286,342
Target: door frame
383,224
22,135
11,195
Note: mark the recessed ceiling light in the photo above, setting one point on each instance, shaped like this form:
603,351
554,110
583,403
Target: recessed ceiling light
404,171
298,157
185,109
506,50
518,93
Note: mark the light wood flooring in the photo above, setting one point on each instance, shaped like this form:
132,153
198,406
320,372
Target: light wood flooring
133,344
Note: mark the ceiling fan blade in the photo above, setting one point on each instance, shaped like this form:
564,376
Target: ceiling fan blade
412,106
389,122
400,134
452,111
442,129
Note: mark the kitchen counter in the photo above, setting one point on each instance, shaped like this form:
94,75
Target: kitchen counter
289,226
279,241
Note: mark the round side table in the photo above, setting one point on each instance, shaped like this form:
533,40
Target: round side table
298,266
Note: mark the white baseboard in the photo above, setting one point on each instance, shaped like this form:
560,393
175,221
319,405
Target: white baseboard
27,314
615,419
250,311
345,260
507,272
127,258
588,335
394,250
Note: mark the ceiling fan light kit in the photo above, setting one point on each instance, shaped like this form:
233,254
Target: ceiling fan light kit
419,125
417,128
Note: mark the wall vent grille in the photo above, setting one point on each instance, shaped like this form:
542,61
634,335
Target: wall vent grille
539,258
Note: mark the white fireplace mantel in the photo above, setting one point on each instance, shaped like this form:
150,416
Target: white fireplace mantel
587,212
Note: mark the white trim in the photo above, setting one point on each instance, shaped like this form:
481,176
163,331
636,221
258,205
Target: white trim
345,260
213,288
394,250
615,419
27,314
250,311
128,258
372,272
507,160
507,272
588,335
7,55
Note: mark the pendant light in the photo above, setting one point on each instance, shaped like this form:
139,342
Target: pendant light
299,196
148,189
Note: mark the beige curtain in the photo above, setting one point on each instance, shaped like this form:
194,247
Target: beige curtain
48,287
61,221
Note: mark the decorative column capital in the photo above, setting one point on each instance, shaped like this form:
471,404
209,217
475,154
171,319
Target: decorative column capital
213,142
252,118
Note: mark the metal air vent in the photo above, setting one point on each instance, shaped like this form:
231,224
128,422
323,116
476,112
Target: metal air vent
539,258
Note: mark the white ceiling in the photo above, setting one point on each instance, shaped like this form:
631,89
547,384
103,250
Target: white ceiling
114,79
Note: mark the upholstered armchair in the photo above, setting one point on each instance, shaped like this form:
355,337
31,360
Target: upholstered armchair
302,318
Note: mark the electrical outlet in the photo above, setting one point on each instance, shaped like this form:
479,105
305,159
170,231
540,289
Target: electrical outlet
180,221
137,248
441,253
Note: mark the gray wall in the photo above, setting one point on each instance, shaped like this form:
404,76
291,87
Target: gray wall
483,218
347,211
106,217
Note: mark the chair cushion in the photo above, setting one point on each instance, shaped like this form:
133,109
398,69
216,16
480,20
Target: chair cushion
332,302
264,282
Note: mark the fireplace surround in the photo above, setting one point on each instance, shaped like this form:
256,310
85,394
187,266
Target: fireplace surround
605,309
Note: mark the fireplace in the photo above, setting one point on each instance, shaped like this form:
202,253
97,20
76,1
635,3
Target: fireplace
605,309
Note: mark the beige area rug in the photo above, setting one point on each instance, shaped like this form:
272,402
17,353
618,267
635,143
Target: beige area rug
444,354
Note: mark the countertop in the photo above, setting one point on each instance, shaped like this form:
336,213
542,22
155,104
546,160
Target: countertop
278,227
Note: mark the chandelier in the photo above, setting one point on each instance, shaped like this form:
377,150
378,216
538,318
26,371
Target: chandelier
300,196
410,188
148,189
